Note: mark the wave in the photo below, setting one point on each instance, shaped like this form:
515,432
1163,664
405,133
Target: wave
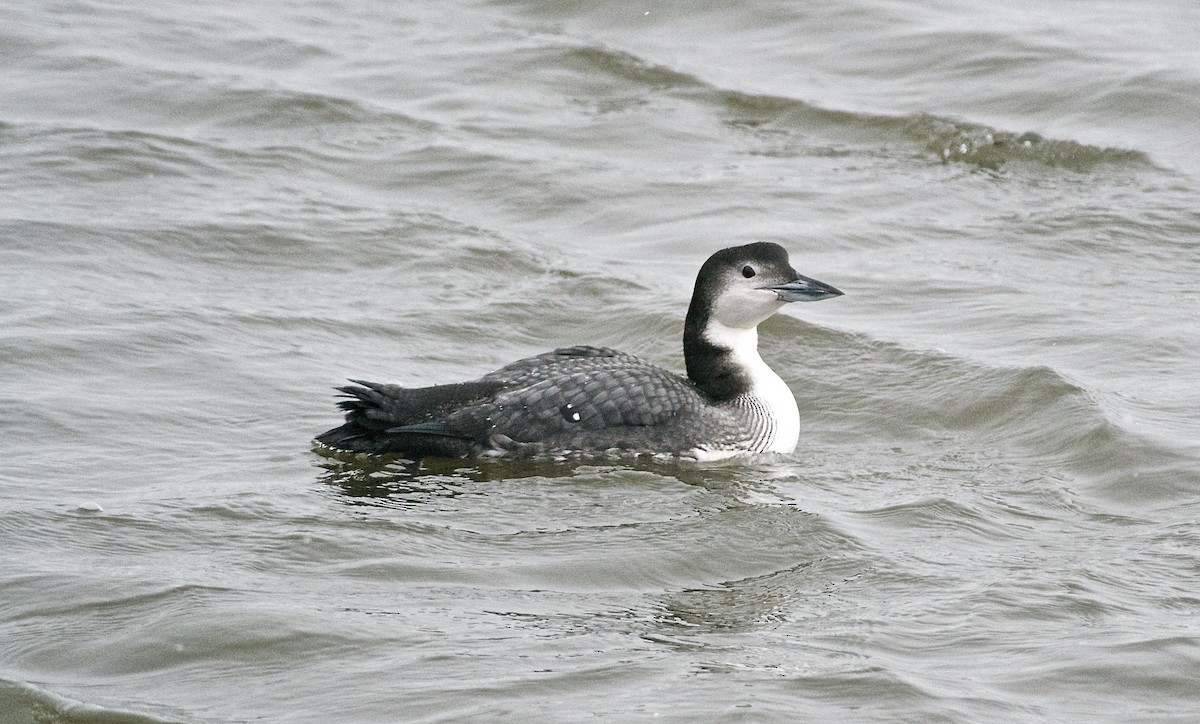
1033,414
942,139
23,701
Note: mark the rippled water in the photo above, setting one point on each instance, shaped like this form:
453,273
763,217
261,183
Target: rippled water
210,215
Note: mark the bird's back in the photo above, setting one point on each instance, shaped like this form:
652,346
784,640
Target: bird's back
575,400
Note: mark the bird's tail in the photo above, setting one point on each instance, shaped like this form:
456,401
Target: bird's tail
418,422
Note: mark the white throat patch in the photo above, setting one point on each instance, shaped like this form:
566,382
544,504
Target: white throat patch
767,387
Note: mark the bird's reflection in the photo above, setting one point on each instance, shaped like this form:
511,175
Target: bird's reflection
394,481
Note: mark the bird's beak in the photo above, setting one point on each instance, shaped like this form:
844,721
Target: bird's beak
803,289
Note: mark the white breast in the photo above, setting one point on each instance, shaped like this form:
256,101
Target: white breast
767,389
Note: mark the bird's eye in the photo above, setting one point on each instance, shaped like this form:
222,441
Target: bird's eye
748,271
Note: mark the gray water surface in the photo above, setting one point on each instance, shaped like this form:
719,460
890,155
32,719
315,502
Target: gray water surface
210,215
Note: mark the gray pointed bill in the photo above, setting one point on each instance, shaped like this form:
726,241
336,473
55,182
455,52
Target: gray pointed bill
804,289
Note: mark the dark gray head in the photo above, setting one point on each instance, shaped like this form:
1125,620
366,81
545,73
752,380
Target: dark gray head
741,286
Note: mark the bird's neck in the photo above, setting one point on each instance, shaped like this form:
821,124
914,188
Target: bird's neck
722,361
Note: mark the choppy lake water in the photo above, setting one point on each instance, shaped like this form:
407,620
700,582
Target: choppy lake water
211,214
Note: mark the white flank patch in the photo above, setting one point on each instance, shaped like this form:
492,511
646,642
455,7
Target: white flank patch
706,455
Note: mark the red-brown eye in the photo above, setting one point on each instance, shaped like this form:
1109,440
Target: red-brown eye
748,271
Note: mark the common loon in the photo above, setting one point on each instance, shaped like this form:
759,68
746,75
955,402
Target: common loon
598,401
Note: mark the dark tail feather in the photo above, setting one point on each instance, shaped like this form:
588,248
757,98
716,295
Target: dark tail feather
384,418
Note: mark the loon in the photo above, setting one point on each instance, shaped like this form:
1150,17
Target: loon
596,401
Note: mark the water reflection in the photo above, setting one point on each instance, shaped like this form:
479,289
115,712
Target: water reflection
392,480
388,481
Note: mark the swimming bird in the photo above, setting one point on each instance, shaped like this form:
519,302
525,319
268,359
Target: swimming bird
596,401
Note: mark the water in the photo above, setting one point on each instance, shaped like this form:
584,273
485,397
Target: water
210,215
